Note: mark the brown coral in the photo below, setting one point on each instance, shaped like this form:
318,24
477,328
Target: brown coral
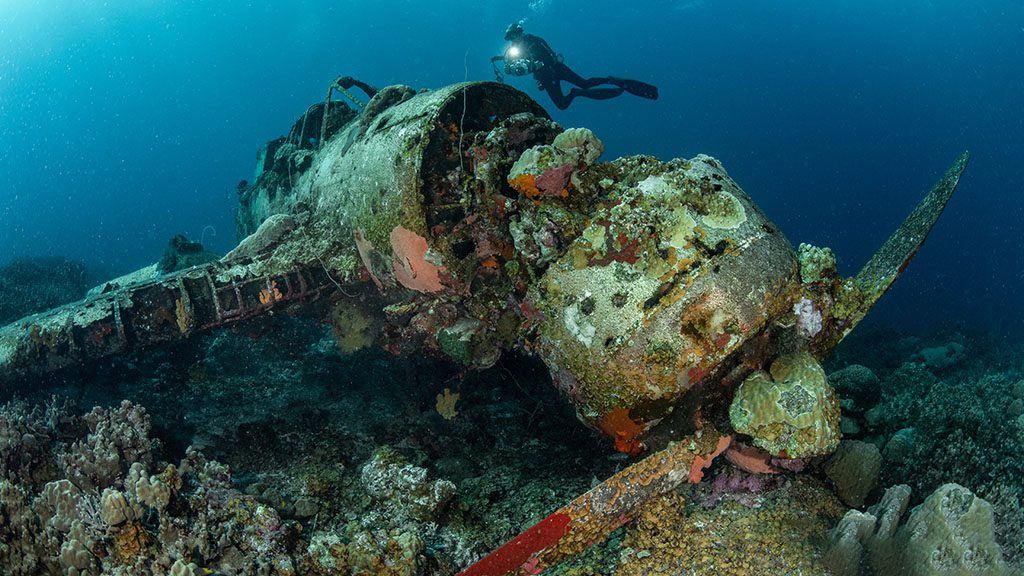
129,543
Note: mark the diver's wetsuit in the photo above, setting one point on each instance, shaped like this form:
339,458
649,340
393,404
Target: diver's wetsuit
550,72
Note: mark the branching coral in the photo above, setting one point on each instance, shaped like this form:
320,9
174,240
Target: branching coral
117,438
111,515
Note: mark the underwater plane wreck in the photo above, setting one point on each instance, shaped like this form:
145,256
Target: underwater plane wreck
672,314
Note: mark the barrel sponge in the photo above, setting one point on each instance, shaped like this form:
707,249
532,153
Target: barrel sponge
843,557
791,412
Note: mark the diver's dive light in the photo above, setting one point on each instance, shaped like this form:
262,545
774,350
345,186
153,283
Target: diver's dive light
516,64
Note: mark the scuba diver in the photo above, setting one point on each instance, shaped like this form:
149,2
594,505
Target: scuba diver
529,54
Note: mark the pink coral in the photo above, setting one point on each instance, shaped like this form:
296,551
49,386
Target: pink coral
702,462
750,459
553,181
808,318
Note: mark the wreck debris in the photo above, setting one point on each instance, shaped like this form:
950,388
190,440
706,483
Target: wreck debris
594,515
646,280
851,299
646,302
464,222
295,256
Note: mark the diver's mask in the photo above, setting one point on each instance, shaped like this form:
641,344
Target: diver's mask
516,62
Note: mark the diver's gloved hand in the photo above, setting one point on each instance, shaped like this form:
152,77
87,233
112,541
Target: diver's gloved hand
498,76
346,82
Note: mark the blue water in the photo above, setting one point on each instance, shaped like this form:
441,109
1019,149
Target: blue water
125,122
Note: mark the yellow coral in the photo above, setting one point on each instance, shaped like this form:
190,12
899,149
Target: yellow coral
270,293
782,535
446,404
181,315
130,542
791,412
353,327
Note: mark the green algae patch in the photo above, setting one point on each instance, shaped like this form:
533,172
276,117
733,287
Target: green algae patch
816,264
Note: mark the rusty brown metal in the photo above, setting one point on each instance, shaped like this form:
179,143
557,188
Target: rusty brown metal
853,298
485,226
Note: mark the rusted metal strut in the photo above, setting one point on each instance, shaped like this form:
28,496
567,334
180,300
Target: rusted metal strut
591,517
171,308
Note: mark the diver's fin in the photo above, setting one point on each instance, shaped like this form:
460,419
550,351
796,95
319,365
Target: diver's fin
638,88
861,292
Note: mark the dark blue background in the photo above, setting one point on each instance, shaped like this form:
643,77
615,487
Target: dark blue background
127,121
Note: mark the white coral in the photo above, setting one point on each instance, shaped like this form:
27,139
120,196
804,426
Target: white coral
580,143
808,318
